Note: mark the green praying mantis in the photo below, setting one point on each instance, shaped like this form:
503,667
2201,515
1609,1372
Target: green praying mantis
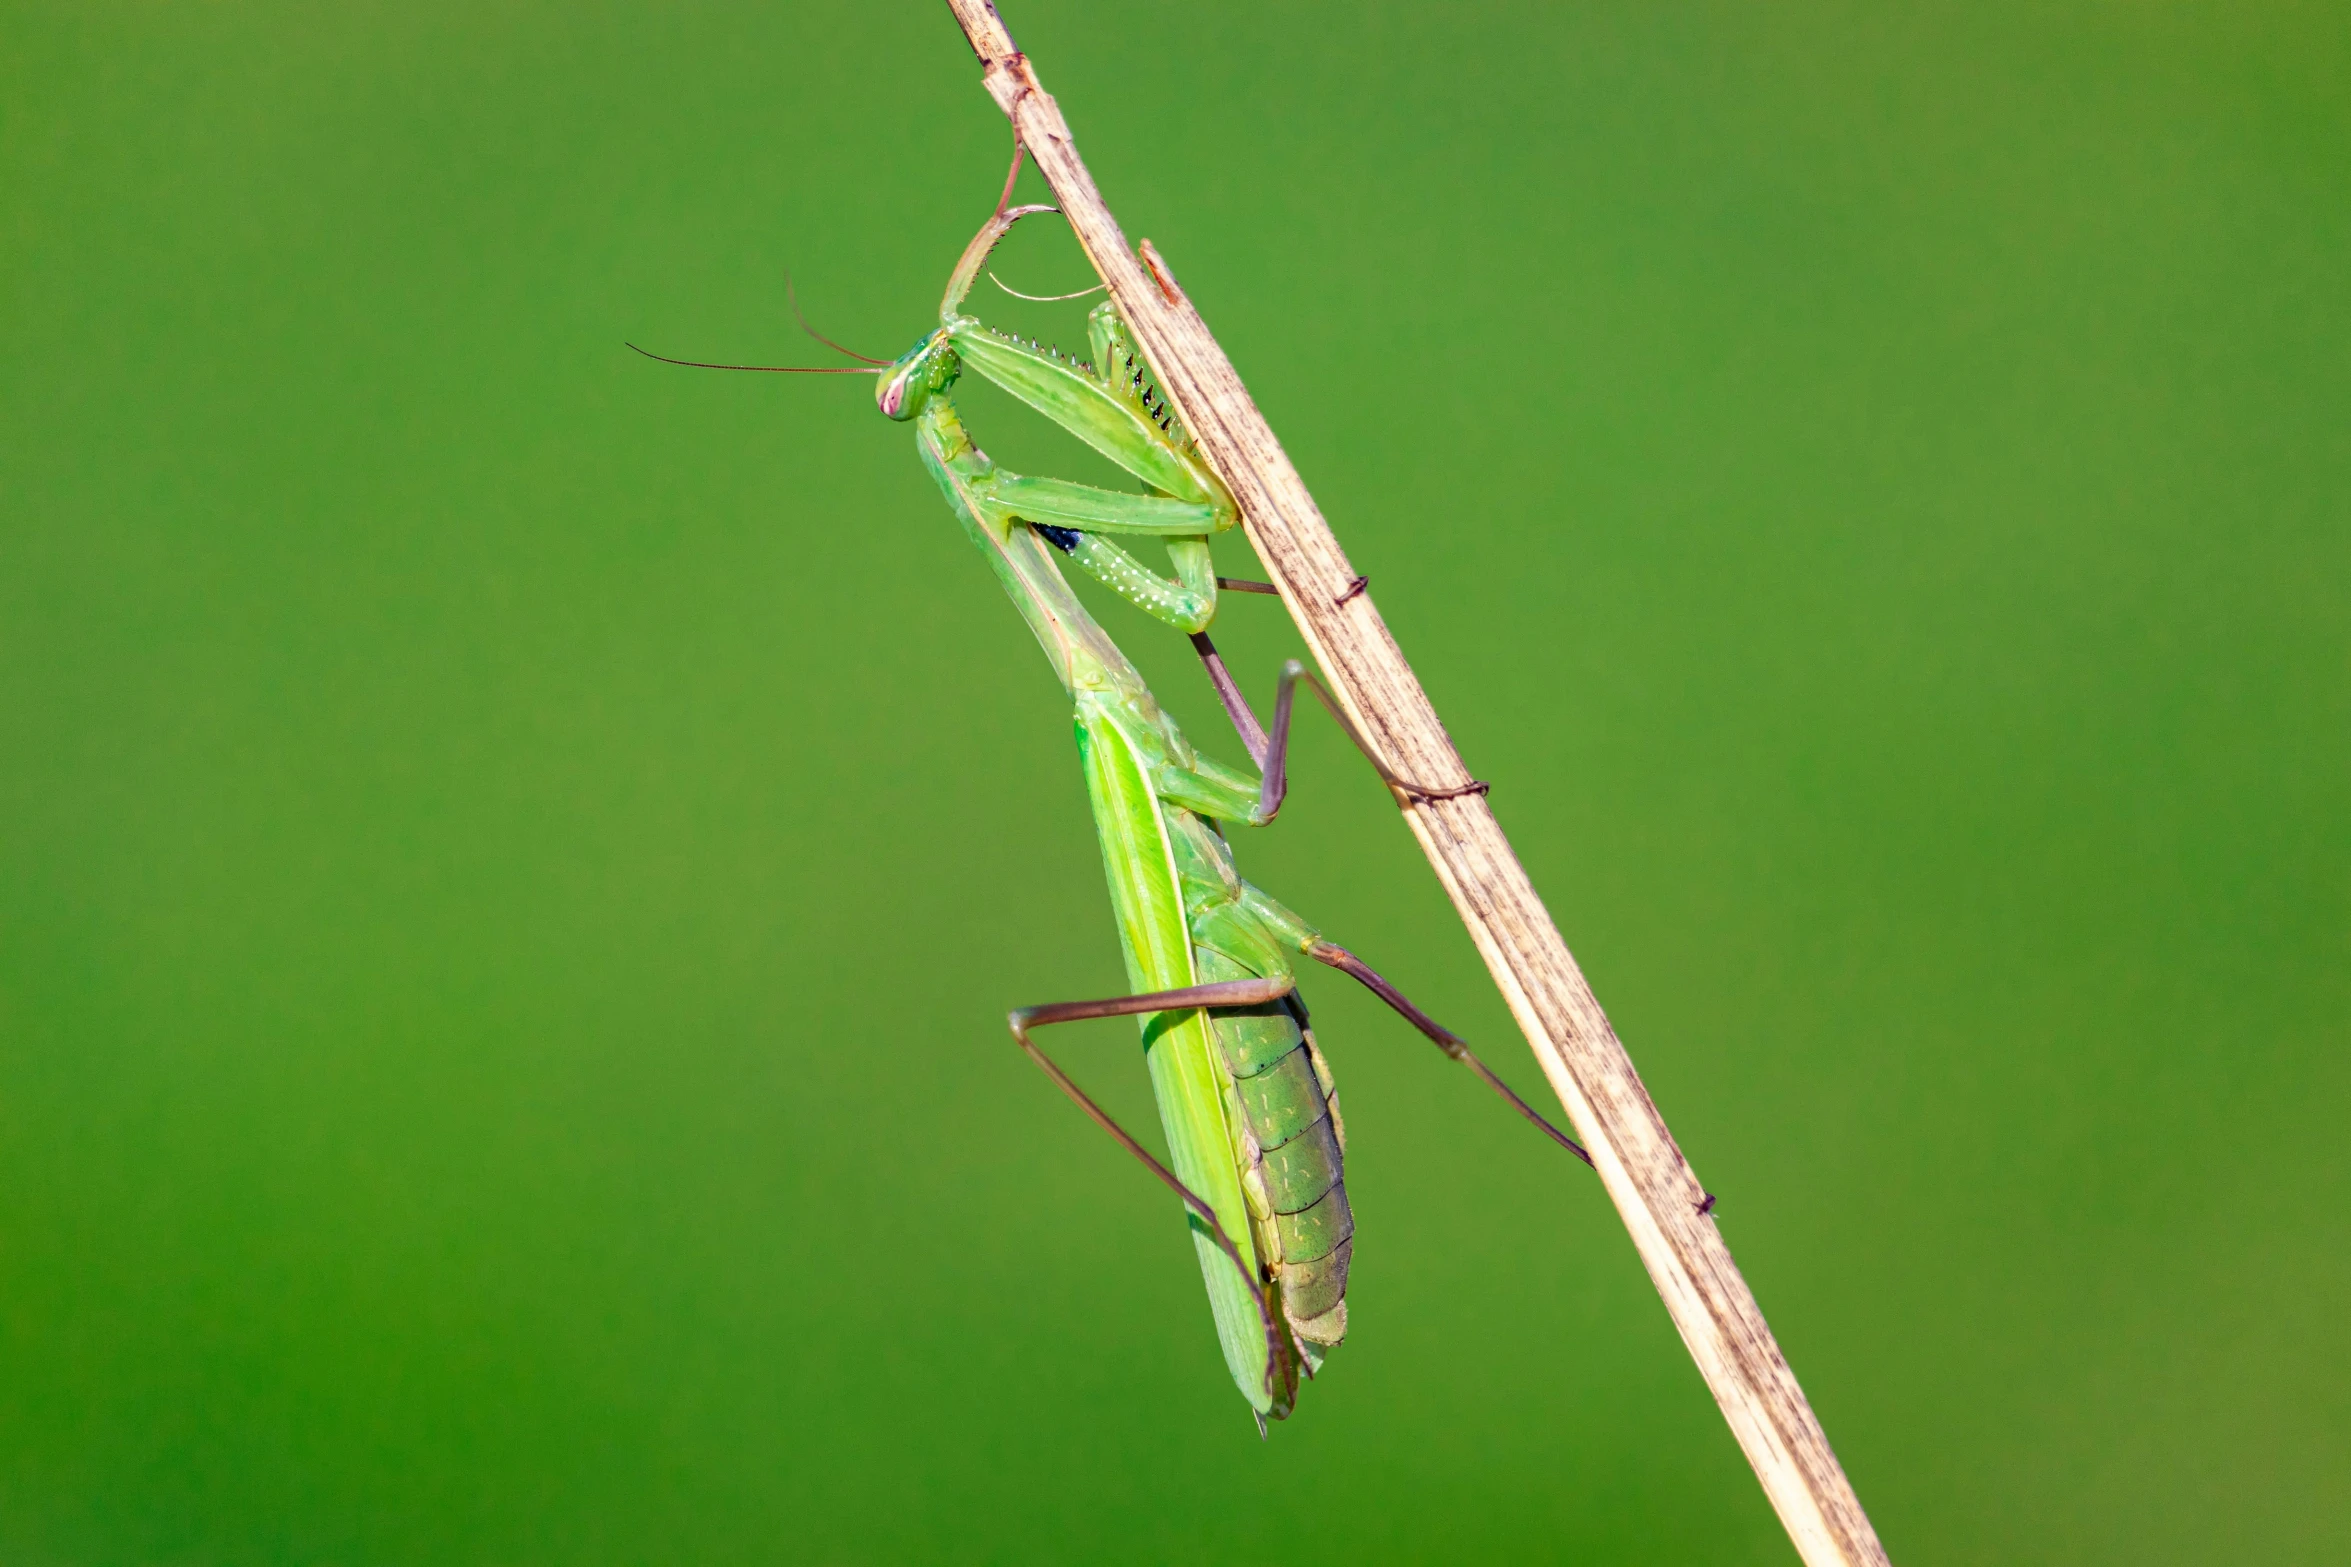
1255,1140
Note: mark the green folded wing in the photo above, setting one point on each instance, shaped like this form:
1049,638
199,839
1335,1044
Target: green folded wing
1148,901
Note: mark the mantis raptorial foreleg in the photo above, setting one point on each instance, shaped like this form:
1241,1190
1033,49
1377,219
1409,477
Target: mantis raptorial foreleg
1108,402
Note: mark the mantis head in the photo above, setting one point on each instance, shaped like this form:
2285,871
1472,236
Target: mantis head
924,371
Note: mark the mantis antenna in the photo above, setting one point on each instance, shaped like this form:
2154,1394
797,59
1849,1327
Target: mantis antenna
696,364
793,295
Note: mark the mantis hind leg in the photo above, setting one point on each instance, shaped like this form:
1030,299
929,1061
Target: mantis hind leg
1443,1038
1280,1362
1261,914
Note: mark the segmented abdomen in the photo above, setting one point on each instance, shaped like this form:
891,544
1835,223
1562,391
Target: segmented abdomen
1291,1156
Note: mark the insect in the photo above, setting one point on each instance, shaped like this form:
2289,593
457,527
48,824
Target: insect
1245,1096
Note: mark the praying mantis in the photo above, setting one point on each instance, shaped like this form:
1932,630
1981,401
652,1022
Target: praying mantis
1256,1144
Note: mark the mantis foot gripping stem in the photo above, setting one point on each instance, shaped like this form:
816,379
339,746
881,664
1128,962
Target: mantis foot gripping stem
1271,753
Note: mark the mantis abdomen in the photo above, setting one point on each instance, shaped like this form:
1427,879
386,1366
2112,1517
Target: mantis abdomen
1291,1155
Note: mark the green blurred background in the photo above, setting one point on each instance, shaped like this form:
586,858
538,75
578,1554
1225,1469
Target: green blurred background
515,857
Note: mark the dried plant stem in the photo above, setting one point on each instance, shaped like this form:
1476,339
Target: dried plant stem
1662,1203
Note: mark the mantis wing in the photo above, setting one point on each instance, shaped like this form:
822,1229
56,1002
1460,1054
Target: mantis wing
1139,861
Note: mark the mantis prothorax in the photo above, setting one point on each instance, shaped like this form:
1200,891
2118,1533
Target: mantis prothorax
1256,1146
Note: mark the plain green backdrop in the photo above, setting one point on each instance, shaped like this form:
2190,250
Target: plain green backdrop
513,858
